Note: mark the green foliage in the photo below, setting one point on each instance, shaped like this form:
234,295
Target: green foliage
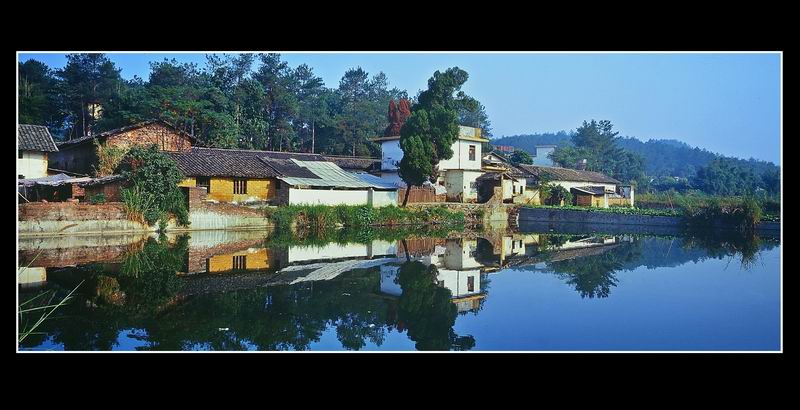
324,216
615,210
551,194
97,199
596,142
428,134
520,157
38,96
154,177
725,177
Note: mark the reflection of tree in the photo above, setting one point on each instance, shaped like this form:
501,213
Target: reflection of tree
720,244
593,276
426,311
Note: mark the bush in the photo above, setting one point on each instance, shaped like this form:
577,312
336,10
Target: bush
155,178
320,216
97,199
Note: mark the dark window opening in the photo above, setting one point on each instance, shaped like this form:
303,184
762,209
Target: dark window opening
204,182
20,155
278,184
471,284
239,186
240,262
472,153
21,176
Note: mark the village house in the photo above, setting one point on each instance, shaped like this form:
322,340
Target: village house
93,155
588,188
500,173
457,175
278,178
35,144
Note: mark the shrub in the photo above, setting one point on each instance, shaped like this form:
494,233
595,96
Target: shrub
155,178
97,199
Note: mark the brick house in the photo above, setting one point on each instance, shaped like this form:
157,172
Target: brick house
80,156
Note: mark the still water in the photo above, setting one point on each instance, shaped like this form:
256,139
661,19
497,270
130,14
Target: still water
494,290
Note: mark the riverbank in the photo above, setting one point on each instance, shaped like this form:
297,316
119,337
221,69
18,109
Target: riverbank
595,216
38,219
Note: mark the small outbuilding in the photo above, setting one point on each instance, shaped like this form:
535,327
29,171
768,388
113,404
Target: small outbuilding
34,146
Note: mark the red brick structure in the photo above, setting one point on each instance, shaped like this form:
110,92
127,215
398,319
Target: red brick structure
80,155
70,211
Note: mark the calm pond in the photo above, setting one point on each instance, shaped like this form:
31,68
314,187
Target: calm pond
375,290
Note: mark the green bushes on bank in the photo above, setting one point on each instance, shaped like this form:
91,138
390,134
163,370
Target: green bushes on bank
361,215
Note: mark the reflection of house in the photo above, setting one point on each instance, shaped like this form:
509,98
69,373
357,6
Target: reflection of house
82,156
32,278
457,270
279,178
35,143
457,174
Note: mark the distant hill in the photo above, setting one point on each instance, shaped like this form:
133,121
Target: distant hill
663,157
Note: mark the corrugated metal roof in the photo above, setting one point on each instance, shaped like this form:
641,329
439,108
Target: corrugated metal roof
330,175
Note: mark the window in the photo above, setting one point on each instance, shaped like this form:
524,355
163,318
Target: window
472,153
239,186
471,284
20,155
240,262
21,176
204,182
278,184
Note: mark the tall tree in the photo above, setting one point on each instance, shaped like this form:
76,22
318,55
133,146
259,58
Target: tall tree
38,96
90,83
432,127
312,108
280,103
475,116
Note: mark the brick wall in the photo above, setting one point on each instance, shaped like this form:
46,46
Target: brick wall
166,138
70,211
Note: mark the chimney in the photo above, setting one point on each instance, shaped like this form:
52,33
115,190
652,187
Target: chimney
581,165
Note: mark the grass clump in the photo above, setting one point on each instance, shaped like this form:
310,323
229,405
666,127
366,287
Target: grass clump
324,216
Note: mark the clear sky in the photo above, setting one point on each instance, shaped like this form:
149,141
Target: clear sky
726,103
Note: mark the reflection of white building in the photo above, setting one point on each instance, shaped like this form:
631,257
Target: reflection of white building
458,271
32,278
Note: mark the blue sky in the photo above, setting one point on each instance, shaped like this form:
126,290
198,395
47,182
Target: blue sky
726,103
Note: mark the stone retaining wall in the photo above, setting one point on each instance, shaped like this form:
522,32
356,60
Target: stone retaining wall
568,216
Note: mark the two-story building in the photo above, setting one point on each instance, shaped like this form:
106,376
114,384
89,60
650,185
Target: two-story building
458,174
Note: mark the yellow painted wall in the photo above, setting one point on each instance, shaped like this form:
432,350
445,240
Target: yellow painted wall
255,260
188,182
221,189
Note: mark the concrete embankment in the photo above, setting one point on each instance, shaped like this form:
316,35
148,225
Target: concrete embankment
566,219
65,218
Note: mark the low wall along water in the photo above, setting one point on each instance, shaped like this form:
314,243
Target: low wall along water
554,216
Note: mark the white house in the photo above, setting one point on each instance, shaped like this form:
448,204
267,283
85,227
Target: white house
457,174
35,142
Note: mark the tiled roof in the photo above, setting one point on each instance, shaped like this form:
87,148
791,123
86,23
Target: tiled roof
566,174
117,131
35,138
211,162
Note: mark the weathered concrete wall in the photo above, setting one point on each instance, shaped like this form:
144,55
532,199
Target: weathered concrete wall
65,218
572,216
528,216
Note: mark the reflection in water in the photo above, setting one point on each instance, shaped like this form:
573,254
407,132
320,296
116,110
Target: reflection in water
236,291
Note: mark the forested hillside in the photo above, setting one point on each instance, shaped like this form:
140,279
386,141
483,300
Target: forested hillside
663,157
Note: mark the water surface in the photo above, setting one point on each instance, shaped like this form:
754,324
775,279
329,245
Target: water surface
224,290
